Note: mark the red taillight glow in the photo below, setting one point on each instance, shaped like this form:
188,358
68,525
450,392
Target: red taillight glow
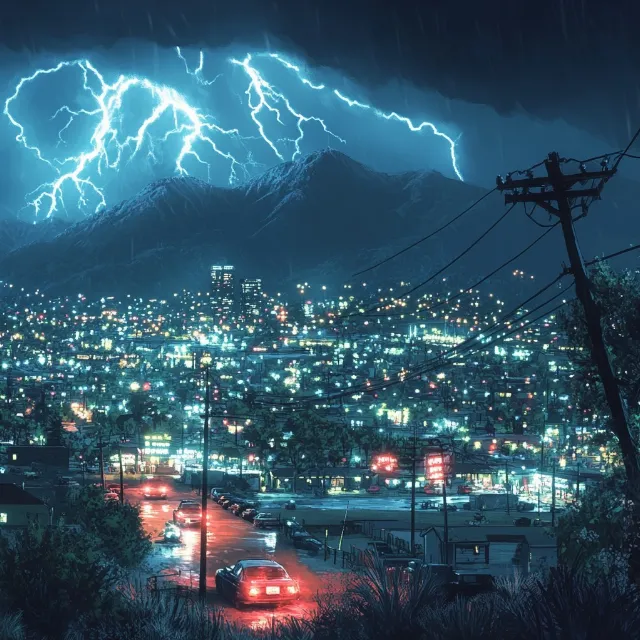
292,588
253,591
180,514
163,489
147,489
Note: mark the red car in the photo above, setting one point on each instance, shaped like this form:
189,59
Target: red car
256,582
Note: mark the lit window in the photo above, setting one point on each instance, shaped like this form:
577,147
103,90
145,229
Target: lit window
3,518
14,456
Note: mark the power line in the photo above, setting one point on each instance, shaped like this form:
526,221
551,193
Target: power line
437,362
506,263
446,266
427,237
624,153
612,255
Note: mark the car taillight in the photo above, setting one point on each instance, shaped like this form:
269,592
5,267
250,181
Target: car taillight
163,489
146,489
292,588
180,514
253,591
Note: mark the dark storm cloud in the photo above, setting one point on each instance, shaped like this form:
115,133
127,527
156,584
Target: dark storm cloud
572,59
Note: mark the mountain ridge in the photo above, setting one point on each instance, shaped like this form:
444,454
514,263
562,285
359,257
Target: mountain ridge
322,209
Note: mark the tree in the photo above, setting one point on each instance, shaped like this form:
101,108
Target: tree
53,576
54,431
618,297
117,527
591,535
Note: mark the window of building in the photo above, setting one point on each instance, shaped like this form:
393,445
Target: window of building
3,518
14,456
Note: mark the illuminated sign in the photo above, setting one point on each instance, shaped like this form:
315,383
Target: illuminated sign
156,444
385,462
437,466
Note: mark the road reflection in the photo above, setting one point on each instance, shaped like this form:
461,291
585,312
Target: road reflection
229,539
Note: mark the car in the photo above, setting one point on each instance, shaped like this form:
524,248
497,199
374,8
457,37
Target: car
188,513
155,490
114,487
380,548
228,503
256,582
111,496
249,514
265,521
450,507
525,506
374,488
522,522
216,492
237,507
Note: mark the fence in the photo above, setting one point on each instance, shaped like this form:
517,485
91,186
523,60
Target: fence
355,557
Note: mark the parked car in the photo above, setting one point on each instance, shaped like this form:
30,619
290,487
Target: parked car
522,522
374,488
265,521
110,495
380,548
249,514
251,582
114,487
450,507
525,506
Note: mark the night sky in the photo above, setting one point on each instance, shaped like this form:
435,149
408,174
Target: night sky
508,81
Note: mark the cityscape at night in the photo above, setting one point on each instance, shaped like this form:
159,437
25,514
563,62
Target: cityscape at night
311,329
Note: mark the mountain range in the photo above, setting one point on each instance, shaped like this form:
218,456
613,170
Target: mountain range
319,219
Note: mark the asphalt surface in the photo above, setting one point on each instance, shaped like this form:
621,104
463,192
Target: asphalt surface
229,539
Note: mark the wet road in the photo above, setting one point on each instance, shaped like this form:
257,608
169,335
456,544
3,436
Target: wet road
229,539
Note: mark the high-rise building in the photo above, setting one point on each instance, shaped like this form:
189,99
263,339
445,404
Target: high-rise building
250,296
222,289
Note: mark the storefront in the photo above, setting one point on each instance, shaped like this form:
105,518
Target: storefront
158,454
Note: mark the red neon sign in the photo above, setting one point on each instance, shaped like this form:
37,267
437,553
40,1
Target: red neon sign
437,466
385,462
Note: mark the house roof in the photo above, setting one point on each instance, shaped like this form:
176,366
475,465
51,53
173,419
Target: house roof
12,494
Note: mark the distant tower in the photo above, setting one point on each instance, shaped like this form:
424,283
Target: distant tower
222,289
250,297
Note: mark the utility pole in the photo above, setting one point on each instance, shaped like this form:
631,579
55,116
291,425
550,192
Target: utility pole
101,446
555,193
553,494
202,586
121,473
506,485
414,454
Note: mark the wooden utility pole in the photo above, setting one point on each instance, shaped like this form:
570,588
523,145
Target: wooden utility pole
202,585
555,193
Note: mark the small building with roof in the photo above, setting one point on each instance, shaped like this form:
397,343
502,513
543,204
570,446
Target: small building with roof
18,508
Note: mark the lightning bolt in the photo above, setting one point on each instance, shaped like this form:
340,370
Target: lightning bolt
197,72
108,144
110,148
261,96
392,115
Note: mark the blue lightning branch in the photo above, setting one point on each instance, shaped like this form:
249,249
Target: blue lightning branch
377,112
109,148
108,145
197,72
262,96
